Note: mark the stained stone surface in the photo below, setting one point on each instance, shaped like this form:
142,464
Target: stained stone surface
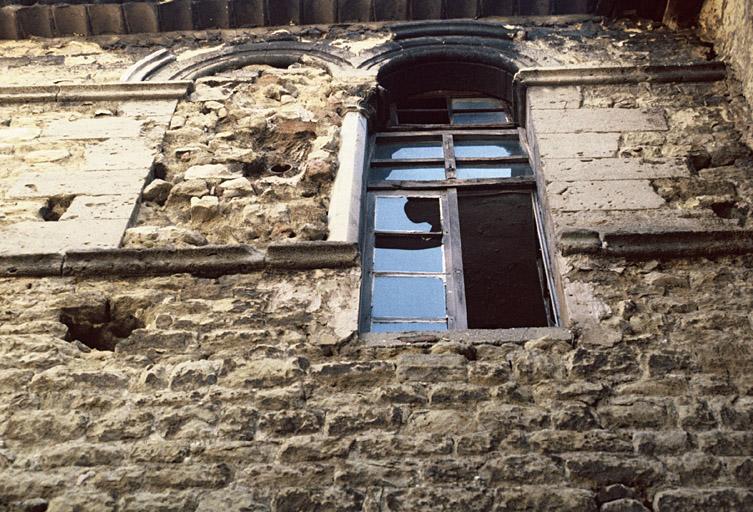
253,392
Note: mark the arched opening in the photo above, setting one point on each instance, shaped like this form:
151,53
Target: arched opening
452,237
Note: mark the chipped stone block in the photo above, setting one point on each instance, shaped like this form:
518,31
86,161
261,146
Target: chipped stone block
210,171
204,208
159,110
98,128
118,154
17,134
56,237
91,183
603,195
100,207
547,98
569,145
607,169
157,191
597,120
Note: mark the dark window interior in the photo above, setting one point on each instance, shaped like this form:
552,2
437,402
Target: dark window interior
501,261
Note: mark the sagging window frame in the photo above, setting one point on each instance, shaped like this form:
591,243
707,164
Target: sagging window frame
447,190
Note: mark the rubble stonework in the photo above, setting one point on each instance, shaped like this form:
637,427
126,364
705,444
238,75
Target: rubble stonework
166,383
250,157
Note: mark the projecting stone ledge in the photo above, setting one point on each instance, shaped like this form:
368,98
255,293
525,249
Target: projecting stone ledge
206,261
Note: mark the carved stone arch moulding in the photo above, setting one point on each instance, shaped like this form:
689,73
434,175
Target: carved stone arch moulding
463,55
162,65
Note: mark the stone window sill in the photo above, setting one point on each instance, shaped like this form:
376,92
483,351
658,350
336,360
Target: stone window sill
472,336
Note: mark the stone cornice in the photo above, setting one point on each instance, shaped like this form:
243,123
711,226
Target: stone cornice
117,91
200,261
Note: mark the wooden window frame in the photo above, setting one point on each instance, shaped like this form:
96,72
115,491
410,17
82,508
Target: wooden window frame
447,190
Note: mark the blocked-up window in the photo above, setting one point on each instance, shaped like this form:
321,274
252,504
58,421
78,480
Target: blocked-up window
452,236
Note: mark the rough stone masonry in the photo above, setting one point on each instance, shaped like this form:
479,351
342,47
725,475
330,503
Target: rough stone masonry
131,387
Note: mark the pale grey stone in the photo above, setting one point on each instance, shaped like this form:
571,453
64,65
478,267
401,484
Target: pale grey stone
598,120
100,207
570,169
210,171
98,128
120,153
92,183
157,191
204,208
603,195
569,145
54,237
540,98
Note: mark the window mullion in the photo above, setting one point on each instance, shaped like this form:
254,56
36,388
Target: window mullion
367,263
448,145
455,282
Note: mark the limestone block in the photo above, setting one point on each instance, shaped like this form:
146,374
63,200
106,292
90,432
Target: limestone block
92,183
545,98
603,195
700,500
157,191
204,208
570,145
158,110
51,237
236,187
169,236
607,169
119,153
98,128
48,155
100,207
210,171
598,120
23,133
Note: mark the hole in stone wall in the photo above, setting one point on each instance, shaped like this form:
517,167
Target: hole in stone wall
730,210
55,208
280,168
98,326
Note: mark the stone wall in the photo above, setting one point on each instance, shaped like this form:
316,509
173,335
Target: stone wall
249,158
254,392
729,25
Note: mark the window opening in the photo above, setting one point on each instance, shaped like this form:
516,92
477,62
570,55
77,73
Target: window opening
452,238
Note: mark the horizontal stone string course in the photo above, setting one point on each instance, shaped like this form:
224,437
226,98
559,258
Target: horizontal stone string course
204,261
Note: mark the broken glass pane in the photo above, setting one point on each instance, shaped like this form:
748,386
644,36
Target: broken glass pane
408,297
407,173
477,172
408,326
408,214
486,148
479,118
409,150
476,103
408,254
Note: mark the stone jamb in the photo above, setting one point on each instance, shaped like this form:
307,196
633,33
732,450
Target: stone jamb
347,191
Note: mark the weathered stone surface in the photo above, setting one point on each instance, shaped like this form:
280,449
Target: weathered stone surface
603,195
98,128
100,207
597,120
100,183
608,169
157,191
52,237
549,98
600,145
